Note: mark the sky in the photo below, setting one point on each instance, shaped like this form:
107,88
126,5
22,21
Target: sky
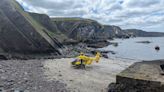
147,15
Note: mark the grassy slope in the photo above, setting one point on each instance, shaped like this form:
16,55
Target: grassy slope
35,24
71,23
55,34
70,19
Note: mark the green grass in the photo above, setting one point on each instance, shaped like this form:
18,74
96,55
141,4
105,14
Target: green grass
38,27
27,16
33,23
71,19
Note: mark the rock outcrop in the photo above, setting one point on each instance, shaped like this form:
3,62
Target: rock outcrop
78,28
141,33
20,33
85,29
115,32
144,76
45,21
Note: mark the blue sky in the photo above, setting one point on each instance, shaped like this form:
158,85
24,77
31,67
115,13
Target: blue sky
147,15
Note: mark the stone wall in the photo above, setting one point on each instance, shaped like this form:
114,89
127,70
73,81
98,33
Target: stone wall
131,80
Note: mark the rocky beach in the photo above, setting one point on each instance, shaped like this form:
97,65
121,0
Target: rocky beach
36,51
57,75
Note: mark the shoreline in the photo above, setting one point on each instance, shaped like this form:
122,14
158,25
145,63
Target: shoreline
95,78
51,75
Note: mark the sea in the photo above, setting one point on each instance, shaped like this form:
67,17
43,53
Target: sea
131,49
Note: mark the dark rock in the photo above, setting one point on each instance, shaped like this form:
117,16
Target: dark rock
60,75
102,51
157,48
3,57
70,42
114,44
70,80
146,42
162,69
105,55
98,44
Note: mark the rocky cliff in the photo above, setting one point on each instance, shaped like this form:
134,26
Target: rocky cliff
141,33
20,33
25,32
45,21
115,31
86,29
78,28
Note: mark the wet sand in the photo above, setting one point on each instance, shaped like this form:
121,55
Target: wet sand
95,78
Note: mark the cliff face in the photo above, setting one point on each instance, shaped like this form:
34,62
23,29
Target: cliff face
78,28
141,33
25,32
45,21
19,32
115,31
86,29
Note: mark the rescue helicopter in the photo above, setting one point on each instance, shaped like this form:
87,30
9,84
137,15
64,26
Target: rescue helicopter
82,60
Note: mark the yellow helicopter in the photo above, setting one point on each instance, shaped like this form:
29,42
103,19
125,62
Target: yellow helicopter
83,60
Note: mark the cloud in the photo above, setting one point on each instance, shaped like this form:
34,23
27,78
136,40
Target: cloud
144,14
141,3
